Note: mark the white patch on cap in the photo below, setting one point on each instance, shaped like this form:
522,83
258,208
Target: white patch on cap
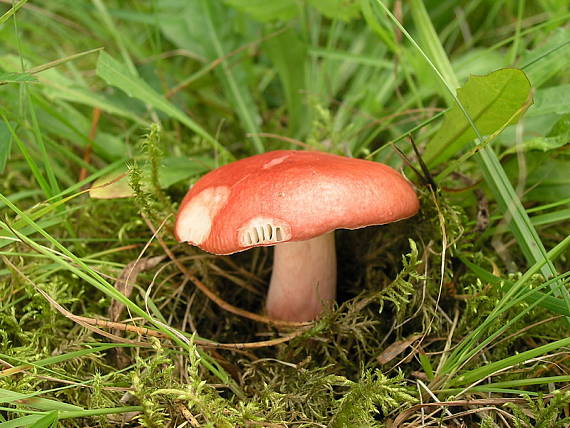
263,231
275,162
195,221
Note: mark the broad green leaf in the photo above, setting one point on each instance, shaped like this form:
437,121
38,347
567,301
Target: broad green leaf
263,10
173,170
549,180
344,10
116,74
492,101
182,23
289,54
550,100
558,136
17,78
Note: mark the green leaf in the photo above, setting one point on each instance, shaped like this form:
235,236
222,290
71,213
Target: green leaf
549,58
491,100
554,217
201,27
173,170
5,144
490,368
264,11
29,400
344,10
551,100
10,12
17,78
46,421
288,53
558,136
183,25
234,79
24,421
549,181
116,74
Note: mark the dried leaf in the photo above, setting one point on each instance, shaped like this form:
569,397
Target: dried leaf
396,349
127,280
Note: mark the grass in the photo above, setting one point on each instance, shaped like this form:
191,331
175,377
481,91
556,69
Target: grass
456,316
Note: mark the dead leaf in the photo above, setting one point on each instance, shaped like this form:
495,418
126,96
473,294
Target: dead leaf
127,280
396,349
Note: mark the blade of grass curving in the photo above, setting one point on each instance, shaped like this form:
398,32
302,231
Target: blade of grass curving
506,387
59,61
243,111
493,172
531,381
44,223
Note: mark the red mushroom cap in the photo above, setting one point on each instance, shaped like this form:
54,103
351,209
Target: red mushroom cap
290,195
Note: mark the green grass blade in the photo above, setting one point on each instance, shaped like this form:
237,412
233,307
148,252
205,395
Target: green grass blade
493,367
115,74
247,116
10,12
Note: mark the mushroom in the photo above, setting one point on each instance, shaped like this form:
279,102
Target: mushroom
293,200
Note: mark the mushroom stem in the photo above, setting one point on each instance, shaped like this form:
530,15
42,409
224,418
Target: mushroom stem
303,282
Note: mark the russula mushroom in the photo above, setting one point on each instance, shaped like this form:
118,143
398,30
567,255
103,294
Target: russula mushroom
293,200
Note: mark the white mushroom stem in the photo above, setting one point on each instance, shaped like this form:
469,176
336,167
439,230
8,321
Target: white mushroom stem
303,282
